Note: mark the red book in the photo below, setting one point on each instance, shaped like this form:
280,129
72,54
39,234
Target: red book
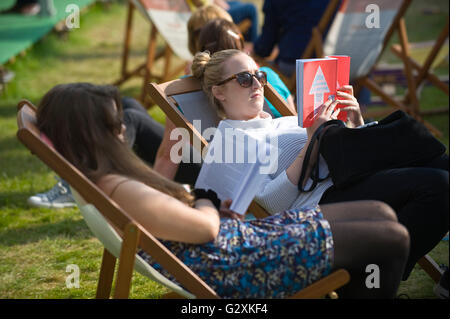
316,82
343,78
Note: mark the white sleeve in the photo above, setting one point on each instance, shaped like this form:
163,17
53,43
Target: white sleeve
277,194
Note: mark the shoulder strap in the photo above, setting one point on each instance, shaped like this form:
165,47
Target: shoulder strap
318,135
117,186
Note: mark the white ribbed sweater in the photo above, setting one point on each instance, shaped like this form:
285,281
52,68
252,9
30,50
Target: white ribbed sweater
277,193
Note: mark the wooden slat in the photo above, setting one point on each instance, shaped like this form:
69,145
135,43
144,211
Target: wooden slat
433,54
127,40
106,275
431,268
172,112
181,86
323,286
126,261
149,62
414,102
277,101
396,49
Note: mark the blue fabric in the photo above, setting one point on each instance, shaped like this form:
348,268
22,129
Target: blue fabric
273,257
240,11
288,24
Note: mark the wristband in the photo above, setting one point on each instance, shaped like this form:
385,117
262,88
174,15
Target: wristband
209,194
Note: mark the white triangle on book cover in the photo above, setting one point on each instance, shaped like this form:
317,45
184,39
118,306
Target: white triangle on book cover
318,88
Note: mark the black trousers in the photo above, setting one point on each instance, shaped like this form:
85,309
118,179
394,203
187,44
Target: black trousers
144,134
419,196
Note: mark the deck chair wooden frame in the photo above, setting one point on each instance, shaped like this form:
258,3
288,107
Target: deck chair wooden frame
133,234
163,94
415,82
410,104
145,70
154,54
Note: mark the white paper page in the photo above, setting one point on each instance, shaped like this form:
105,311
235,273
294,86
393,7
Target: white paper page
225,179
238,181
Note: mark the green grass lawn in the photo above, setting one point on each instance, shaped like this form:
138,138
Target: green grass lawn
36,245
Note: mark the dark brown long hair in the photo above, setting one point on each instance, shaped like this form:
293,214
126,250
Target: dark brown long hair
218,35
83,124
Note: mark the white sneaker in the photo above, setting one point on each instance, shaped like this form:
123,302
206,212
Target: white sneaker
59,196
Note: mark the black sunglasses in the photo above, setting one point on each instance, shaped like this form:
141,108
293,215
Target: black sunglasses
245,79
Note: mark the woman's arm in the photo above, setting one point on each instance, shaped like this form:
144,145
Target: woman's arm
163,164
162,215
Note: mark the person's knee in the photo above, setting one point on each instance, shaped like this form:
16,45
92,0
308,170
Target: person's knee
377,210
397,239
383,211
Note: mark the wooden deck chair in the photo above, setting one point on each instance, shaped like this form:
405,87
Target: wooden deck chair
109,220
362,30
166,53
417,74
183,101
175,98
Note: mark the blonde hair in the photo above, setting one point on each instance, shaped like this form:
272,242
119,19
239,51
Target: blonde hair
209,70
199,18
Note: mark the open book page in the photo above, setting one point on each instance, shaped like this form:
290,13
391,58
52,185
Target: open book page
233,168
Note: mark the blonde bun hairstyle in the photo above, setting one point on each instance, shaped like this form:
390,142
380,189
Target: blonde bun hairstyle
199,63
209,69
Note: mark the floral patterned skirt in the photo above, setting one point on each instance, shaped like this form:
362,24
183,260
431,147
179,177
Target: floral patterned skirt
273,257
